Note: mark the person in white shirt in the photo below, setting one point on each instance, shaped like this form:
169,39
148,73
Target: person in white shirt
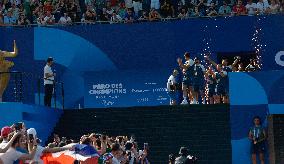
48,82
128,4
49,18
262,7
65,19
137,5
115,18
251,8
32,135
171,87
155,4
12,155
5,132
115,153
6,144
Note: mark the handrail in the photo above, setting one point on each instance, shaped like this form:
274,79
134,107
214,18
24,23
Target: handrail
135,21
39,81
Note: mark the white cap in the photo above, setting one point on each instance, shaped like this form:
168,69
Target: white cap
32,131
140,152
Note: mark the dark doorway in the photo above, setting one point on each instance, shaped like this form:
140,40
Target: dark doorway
245,56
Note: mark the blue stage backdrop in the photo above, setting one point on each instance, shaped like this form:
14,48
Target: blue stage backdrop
252,94
124,53
41,118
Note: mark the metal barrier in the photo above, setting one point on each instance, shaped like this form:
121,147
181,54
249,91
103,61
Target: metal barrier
136,21
23,87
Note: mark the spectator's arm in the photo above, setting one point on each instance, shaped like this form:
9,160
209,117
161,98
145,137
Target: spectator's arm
234,64
3,150
173,11
103,147
247,68
30,155
213,75
55,149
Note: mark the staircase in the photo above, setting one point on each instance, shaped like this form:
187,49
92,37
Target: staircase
204,129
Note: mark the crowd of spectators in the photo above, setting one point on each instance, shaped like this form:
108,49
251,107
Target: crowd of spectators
66,12
195,83
21,145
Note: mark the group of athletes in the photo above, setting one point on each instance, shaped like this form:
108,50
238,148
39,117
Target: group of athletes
193,83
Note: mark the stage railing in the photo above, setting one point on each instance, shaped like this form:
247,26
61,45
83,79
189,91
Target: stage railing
168,19
24,87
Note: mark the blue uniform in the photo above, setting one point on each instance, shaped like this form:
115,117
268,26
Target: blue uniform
198,77
211,83
227,69
188,77
221,84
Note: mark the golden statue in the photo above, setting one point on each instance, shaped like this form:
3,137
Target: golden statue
5,65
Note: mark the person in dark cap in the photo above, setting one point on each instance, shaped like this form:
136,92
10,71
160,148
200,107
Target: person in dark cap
183,152
48,82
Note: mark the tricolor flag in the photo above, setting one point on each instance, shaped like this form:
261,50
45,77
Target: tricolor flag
86,154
